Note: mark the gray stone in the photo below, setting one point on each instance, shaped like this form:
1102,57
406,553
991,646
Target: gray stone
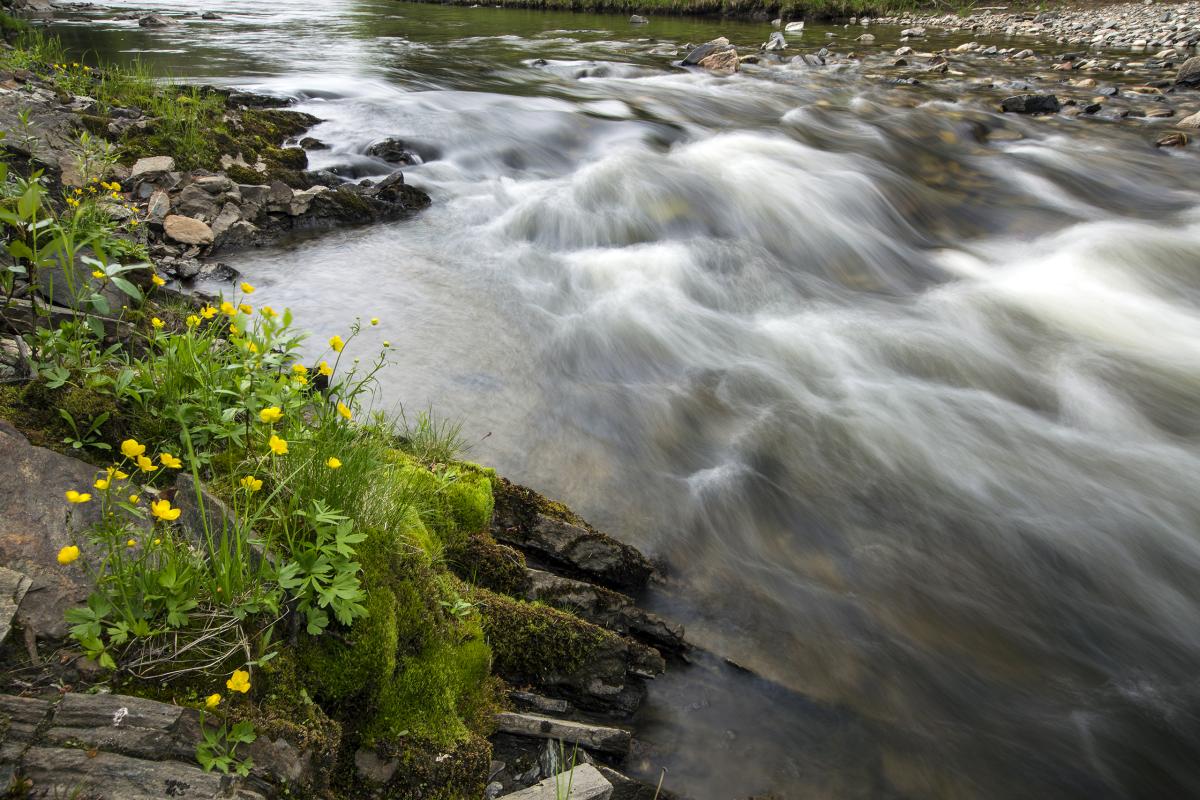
866,38
187,230
637,20
1191,121
585,781
230,214
159,205
794,27
214,184
155,21
542,705
703,51
1189,72
13,586
195,202
775,43
303,199
595,737
371,767
152,166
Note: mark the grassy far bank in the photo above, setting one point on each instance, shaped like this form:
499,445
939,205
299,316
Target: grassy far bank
304,592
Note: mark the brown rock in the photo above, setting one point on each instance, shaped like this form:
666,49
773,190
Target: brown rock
187,230
721,61
1192,121
1172,139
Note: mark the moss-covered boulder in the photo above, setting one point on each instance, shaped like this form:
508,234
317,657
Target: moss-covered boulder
565,656
481,561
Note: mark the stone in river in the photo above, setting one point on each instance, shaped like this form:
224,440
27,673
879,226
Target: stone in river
703,51
637,19
776,42
1030,104
725,60
1189,73
1172,139
1192,121
187,230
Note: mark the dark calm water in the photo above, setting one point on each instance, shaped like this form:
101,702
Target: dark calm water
905,391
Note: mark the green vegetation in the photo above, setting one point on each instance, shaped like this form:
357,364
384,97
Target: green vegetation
303,592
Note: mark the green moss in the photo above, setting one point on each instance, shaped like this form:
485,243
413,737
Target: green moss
351,206
34,409
458,496
530,640
481,561
433,772
244,175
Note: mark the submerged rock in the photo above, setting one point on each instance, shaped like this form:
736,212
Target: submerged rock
1031,104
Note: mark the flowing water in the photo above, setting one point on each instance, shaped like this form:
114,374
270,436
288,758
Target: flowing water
904,391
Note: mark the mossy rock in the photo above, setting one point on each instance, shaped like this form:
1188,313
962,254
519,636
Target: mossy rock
458,496
481,561
34,409
430,771
244,175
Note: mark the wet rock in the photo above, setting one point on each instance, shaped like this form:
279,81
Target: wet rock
214,184
193,201
542,705
1172,139
229,215
155,21
637,19
532,523
604,607
594,737
393,151
1189,73
775,43
708,48
1031,104
866,38
187,230
1192,121
211,15
913,33
309,143
794,27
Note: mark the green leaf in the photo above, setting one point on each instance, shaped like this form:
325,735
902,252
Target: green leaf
126,287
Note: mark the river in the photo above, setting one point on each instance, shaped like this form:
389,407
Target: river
903,390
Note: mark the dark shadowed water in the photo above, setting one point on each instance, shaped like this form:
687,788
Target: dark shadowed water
904,390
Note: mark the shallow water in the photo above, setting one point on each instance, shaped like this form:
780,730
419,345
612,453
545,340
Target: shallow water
903,390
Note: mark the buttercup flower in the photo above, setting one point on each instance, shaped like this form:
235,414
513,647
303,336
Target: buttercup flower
252,483
162,509
239,681
131,542
68,554
278,446
325,369
157,280
77,497
113,472
344,410
374,320
98,274
252,347
270,414
192,321
337,344
157,323
299,369
228,309
333,462
247,288
246,309
157,541
131,449
101,484
212,701
145,464
386,343
268,312
169,460
133,499
208,312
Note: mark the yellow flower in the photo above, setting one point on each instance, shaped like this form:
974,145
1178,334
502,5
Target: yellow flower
145,464
325,369
133,499
246,309
157,323
386,343
68,554
252,347
337,344
72,202
77,497
268,312
133,222
374,320
278,446
131,543
270,414
101,484
300,380
333,462
116,187
239,681
157,280
131,449
157,541
299,369
252,483
169,460
192,321
228,309
212,701
113,472
233,328
344,410
208,312
247,288
98,274
162,509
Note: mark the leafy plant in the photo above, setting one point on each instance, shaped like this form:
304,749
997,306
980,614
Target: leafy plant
217,749
322,573
88,436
